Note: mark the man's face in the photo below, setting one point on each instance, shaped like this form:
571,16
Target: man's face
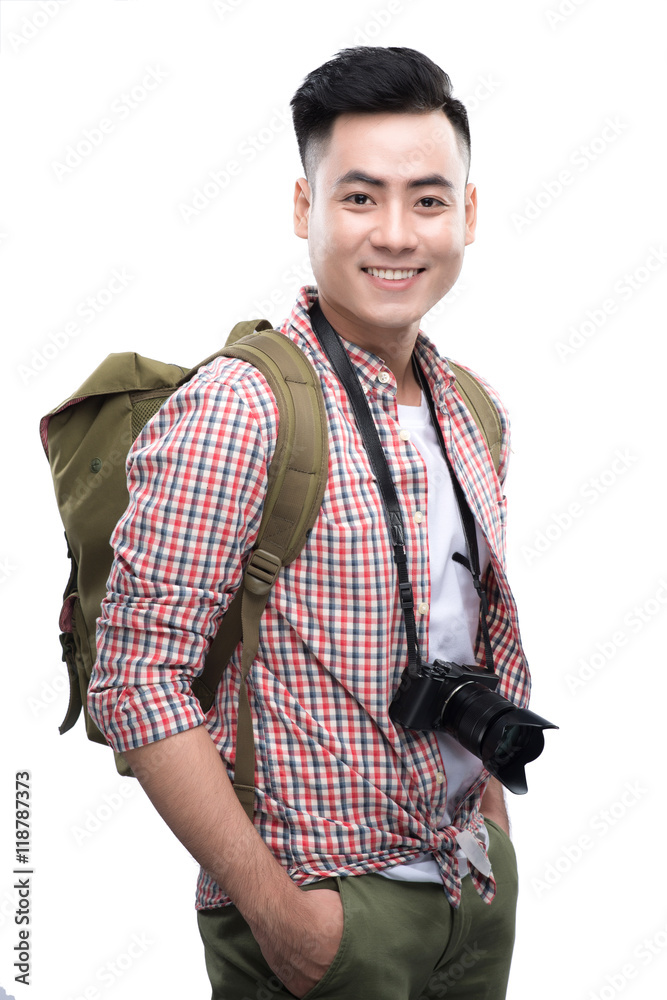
390,194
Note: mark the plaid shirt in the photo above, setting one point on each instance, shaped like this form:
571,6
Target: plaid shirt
341,790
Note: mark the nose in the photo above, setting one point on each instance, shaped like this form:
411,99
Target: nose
394,229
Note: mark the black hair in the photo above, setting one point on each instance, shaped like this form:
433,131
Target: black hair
372,79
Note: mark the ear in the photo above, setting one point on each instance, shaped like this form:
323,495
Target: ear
471,213
302,203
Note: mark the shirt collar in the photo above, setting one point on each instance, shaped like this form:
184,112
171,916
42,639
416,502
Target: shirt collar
369,366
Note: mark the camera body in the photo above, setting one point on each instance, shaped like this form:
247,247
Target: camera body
421,701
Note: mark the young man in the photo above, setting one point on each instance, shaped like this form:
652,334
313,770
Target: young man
402,831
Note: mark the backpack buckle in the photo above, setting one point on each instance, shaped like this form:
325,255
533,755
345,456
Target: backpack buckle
262,571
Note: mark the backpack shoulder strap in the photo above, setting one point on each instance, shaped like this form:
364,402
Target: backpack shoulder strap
296,484
482,408
297,480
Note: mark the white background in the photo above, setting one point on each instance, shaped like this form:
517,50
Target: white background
540,87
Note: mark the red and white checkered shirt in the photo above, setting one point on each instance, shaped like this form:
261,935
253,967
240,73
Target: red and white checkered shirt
341,789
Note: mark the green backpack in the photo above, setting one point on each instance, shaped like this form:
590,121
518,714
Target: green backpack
86,439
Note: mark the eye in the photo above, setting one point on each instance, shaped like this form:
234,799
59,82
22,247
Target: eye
364,199
434,202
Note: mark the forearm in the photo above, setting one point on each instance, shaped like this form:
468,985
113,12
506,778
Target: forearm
493,805
187,782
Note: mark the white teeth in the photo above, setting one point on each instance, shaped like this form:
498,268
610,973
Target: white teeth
392,275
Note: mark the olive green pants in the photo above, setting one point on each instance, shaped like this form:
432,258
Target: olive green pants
401,941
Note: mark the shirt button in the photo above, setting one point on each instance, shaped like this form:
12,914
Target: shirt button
422,609
440,777
419,517
404,435
384,377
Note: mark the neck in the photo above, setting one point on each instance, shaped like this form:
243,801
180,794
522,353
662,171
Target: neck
397,357
408,393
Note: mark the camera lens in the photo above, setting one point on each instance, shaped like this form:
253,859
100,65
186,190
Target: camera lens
514,739
504,737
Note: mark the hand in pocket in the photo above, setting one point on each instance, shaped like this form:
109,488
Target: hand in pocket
304,944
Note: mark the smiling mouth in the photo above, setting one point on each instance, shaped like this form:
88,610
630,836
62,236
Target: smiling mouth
393,275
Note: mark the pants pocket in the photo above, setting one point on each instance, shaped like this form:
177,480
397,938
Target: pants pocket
332,973
501,854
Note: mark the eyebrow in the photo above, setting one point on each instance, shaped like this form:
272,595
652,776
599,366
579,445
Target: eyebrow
433,180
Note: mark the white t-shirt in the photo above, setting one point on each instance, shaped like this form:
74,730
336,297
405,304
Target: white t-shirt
453,619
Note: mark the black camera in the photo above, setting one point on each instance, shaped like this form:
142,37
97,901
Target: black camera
461,700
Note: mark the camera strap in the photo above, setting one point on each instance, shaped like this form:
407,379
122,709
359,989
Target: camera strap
342,365
340,361
472,563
